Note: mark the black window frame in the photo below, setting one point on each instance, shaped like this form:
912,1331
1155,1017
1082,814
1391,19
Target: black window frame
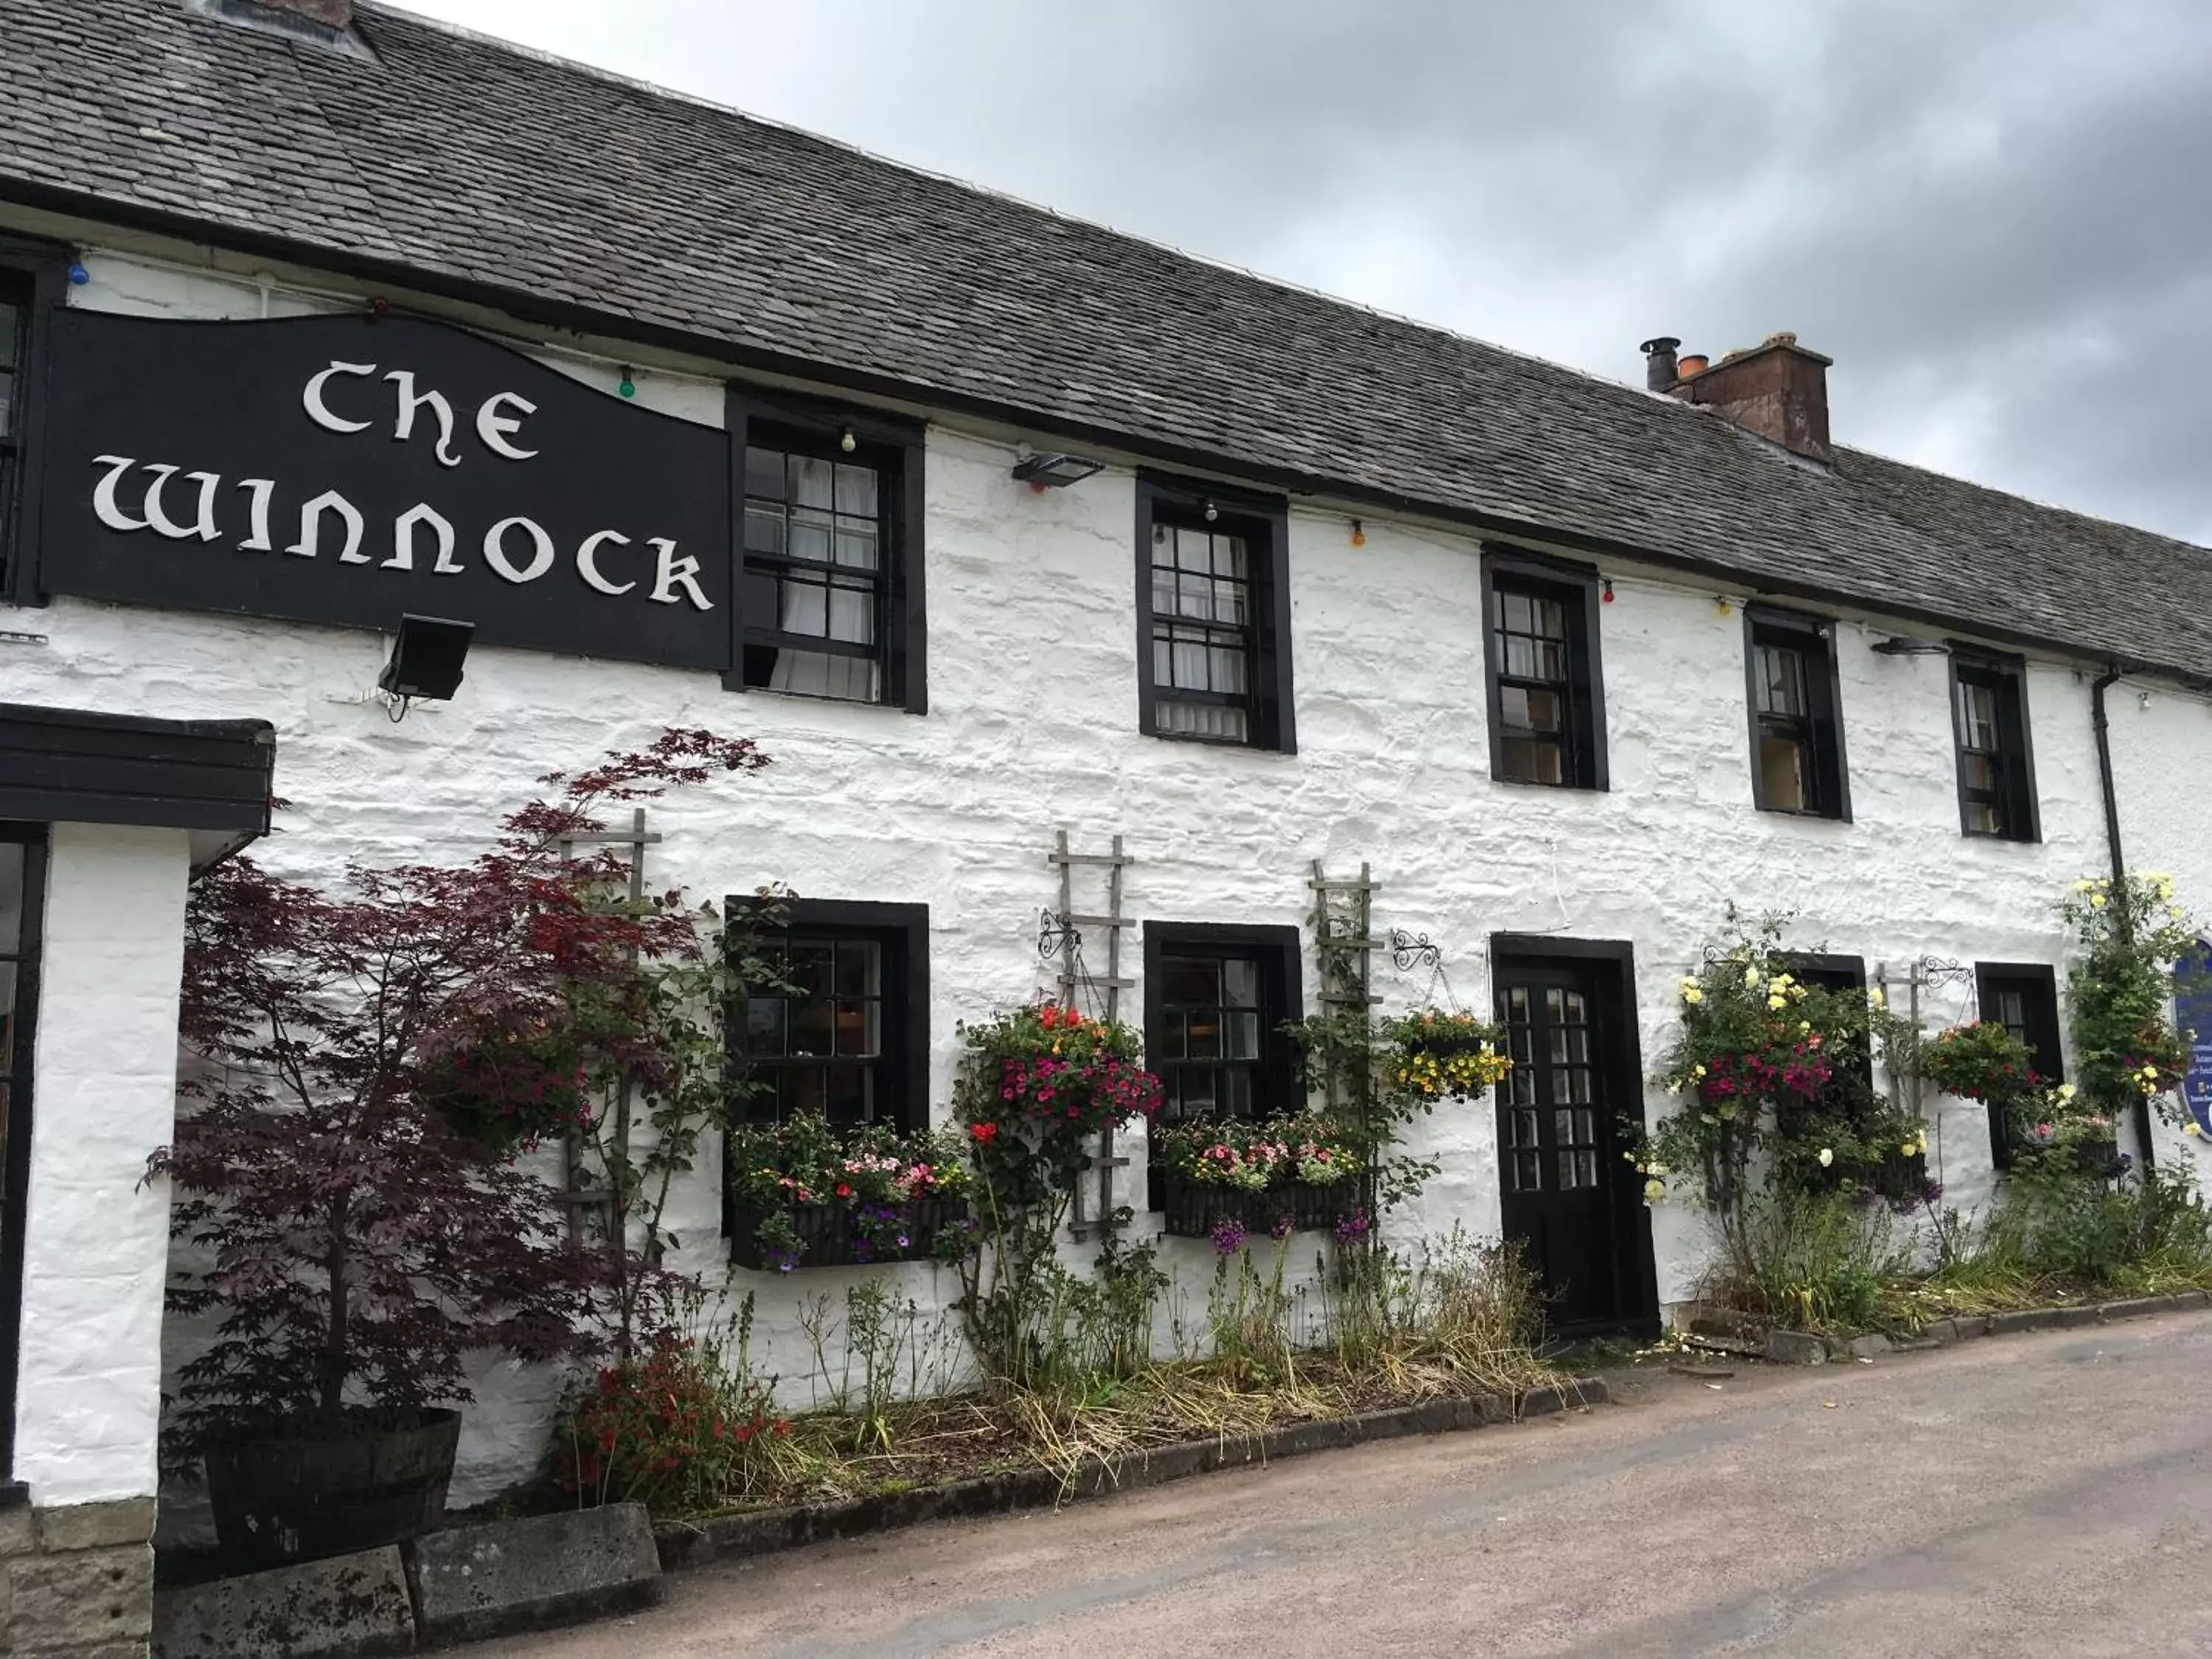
1279,952
38,272
1271,722
1576,587
2038,982
897,449
1828,770
903,932
2015,794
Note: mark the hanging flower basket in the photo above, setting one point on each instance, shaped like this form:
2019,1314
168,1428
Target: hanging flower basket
1442,1052
806,1195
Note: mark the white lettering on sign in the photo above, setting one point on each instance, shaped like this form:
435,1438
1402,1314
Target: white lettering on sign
163,525
257,540
318,411
311,528
495,428
495,553
588,562
672,573
403,541
103,494
410,401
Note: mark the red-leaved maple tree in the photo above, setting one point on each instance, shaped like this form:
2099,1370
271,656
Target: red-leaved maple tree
354,1238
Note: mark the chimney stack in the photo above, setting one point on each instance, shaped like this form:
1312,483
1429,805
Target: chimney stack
1777,390
1660,372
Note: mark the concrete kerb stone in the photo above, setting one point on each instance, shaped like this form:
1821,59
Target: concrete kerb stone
1800,1348
475,1581
351,1606
695,1544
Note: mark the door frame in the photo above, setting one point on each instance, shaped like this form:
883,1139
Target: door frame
34,840
1612,966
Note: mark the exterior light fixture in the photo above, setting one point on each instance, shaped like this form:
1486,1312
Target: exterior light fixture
628,386
1055,470
1906,646
1211,513
426,660
847,441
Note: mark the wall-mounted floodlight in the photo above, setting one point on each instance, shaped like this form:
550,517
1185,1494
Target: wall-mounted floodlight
426,659
1905,645
1056,471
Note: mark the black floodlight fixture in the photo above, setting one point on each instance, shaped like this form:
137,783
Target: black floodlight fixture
427,659
1056,471
1905,645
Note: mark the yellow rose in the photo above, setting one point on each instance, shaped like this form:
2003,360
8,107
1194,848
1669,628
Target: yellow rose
1875,997
2096,901
1700,1073
1751,976
1827,1156
2065,1091
1777,1002
1692,995
1654,1191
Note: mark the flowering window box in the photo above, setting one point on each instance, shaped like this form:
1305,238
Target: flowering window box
839,1235
1196,1208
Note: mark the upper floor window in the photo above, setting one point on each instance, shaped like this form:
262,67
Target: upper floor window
831,602
1216,1001
1213,617
1796,728
1547,691
2024,999
846,1038
31,283
1997,768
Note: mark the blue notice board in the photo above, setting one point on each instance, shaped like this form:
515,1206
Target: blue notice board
2192,1011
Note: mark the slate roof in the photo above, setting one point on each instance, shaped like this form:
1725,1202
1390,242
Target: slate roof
467,161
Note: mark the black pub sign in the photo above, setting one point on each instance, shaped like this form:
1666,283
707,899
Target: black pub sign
350,469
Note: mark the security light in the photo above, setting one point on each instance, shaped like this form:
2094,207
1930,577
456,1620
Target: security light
1906,646
426,658
1055,471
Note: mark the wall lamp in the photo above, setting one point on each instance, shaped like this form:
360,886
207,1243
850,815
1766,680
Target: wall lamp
1055,471
1906,646
426,661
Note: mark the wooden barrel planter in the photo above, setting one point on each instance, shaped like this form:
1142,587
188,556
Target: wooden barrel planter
322,1484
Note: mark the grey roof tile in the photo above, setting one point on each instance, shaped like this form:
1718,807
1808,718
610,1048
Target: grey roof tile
462,158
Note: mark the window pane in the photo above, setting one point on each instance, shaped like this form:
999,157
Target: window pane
1980,772
1195,1088
812,1030
856,544
807,965
856,490
1781,681
764,474
7,400
1243,1030
1185,981
1983,819
1227,668
1190,673
852,615
1205,1030
1172,1046
1782,772
810,535
1228,556
1237,1092
1978,716
860,968
763,529
1531,711
1531,761
806,608
1202,720
810,673
859,1028
850,1099
810,481
1240,983
765,1025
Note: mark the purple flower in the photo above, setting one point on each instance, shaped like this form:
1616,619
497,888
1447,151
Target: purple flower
1354,1229
903,1241
1229,1235
1281,1230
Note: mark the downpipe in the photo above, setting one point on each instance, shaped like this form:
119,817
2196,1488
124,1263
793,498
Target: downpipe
2101,721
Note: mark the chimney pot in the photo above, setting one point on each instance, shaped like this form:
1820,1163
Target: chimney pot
1694,364
1777,390
1659,369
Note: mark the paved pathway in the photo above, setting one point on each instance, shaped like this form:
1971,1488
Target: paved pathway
2048,1495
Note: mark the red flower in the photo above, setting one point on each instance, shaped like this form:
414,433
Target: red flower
783,1425
843,1191
985,1133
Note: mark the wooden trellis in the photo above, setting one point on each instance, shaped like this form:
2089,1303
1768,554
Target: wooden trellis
1345,943
1064,933
581,1195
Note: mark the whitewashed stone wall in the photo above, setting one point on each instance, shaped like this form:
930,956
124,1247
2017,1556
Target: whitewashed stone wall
96,1245
1033,727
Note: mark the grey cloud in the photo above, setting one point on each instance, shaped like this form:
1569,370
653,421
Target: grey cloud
1993,214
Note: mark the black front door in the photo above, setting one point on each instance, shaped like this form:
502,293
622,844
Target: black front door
1560,1167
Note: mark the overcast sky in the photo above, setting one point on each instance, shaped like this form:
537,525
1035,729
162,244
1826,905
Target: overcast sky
1994,215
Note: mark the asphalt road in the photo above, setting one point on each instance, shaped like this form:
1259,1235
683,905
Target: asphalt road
2048,1494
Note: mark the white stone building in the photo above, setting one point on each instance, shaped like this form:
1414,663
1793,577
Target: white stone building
1487,627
